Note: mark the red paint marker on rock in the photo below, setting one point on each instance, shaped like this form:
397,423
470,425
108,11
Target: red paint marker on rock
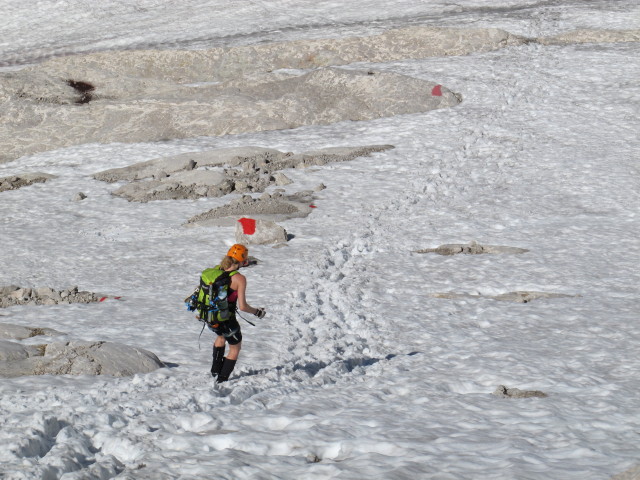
248,226
437,91
102,299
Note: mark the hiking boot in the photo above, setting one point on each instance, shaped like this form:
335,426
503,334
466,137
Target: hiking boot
218,359
225,371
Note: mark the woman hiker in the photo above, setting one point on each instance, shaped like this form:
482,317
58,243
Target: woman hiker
228,330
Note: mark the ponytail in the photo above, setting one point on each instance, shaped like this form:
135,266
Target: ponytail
227,262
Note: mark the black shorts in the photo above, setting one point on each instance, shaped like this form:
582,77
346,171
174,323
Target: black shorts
230,330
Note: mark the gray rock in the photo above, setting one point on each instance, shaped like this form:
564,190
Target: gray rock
221,171
18,181
75,358
18,332
10,351
472,248
281,179
505,392
13,295
632,473
515,297
266,232
45,292
6,290
21,294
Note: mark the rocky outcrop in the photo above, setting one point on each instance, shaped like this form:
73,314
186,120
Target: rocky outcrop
76,357
505,392
13,295
276,206
18,332
472,248
515,297
18,181
632,473
39,116
152,95
260,232
591,36
217,173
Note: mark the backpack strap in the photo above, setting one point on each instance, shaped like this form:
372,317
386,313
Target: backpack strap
223,279
220,279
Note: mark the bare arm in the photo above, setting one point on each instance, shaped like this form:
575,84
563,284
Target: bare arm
239,284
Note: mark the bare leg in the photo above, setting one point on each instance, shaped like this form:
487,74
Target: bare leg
234,351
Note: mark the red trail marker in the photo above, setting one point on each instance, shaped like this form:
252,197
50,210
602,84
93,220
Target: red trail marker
248,225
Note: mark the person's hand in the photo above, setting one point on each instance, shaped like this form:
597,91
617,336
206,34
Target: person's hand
260,313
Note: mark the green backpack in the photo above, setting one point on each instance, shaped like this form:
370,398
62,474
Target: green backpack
210,298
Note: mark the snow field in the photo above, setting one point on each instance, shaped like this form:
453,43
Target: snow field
358,371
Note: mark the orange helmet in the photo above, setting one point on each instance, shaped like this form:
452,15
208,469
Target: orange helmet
238,252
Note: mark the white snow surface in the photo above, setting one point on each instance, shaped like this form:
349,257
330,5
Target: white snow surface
358,370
